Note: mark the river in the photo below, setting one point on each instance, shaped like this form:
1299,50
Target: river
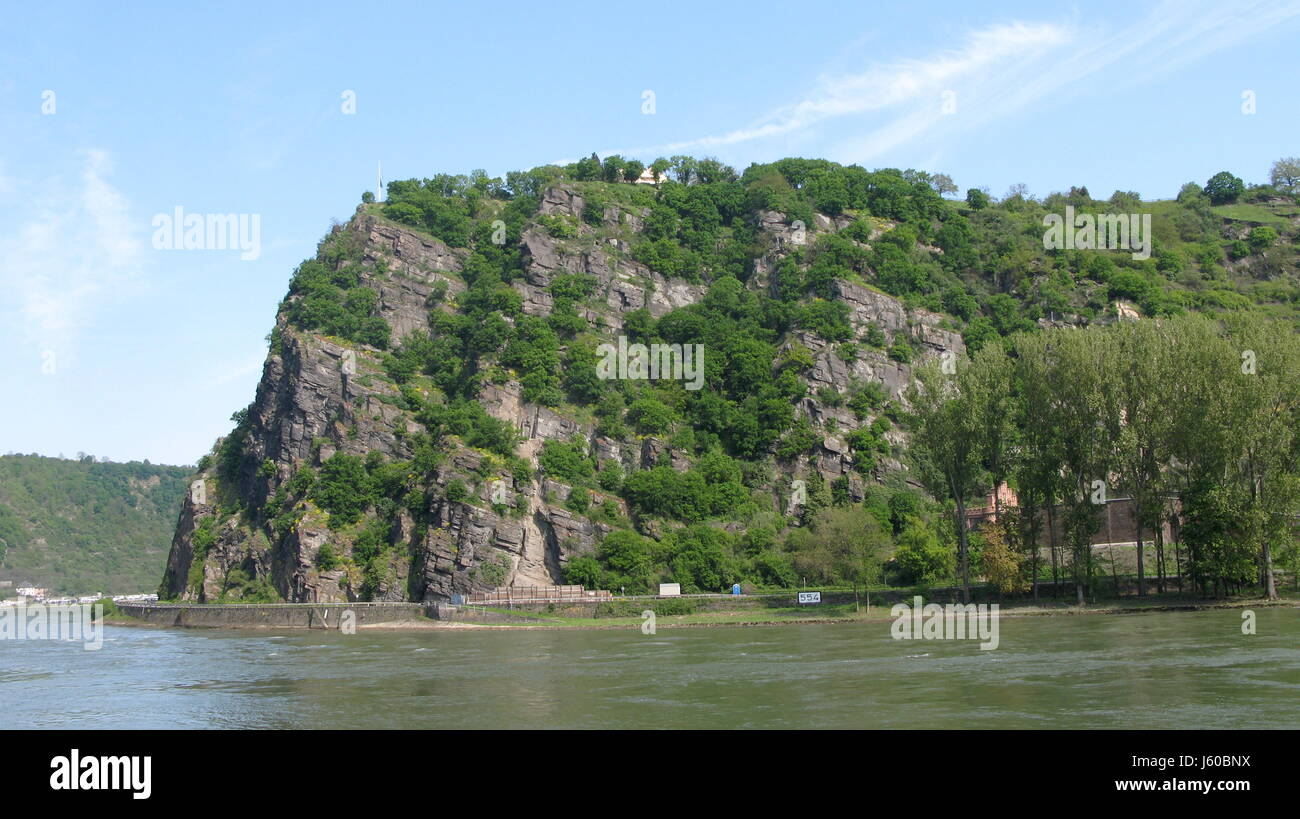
1153,670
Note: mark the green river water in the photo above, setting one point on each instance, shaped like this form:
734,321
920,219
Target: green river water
1152,670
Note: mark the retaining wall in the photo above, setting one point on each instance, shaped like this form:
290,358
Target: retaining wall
271,615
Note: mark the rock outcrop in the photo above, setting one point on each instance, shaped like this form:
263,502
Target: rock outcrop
247,527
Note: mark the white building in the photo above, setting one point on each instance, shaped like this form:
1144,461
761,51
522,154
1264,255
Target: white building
648,177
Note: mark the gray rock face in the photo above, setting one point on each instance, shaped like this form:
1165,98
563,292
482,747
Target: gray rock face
199,574
305,396
562,201
621,283
406,251
319,395
868,306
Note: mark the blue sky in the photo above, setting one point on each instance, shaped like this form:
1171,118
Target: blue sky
118,349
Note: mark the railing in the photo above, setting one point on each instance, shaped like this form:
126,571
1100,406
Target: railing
540,594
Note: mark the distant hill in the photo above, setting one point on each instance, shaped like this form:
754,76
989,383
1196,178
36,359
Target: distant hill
85,526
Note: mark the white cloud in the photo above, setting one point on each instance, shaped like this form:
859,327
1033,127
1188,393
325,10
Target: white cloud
78,246
224,372
886,86
996,72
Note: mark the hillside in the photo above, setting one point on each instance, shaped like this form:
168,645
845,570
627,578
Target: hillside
85,526
435,414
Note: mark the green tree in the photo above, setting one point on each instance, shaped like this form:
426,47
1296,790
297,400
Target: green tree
921,555
632,170
1143,371
1223,188
858,545
1266,409
946,428
977,199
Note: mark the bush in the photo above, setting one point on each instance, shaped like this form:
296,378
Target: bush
326,559
343,489
583,570
593,210
336,303
629,560
566,461
457,492
921,556
579,499
901,351
650,416
1262,238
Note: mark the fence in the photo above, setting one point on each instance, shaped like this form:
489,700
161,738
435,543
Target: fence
540,594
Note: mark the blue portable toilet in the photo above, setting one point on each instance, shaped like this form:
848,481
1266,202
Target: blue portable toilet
735,588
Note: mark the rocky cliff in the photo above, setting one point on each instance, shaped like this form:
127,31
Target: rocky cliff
252,527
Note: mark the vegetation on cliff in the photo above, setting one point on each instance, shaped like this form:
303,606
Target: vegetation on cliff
761,269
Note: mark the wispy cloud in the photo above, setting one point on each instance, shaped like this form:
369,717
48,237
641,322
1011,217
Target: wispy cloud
1000,50
995,72
887,86
78,246
225,373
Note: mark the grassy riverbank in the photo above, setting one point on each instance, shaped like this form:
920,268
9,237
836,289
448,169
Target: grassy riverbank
685,612
848,613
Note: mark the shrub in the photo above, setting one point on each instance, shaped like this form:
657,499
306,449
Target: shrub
457,492
343,489
650,416
921,556
326,559
566,461
1262,238
901,351
579,499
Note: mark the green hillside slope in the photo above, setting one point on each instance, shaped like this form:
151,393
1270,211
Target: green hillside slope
83,526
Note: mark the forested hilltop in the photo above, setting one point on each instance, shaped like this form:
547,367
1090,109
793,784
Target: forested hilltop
436,414
83,526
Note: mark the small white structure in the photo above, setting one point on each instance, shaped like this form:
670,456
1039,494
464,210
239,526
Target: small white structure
670,589
648,177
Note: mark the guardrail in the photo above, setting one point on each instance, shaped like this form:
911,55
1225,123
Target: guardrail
540,594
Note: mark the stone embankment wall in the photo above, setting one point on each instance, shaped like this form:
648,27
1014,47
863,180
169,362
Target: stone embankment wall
273,615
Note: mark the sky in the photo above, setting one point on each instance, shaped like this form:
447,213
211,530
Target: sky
113,115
